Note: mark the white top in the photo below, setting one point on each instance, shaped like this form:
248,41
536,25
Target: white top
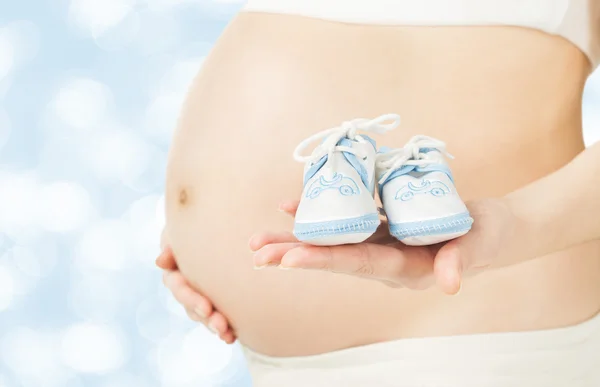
576,20
562,357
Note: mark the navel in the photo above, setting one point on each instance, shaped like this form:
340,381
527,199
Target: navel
183,196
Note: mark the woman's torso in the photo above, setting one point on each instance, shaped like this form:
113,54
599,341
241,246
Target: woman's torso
507,101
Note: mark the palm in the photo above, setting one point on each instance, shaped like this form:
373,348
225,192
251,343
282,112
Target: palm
385,259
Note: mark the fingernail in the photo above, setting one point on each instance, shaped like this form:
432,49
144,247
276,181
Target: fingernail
459,288
258,260
200,312
260,267
213,329
284,267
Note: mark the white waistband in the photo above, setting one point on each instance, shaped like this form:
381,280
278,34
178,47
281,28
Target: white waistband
555,357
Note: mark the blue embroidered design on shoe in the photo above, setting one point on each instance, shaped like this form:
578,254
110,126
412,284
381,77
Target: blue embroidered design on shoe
435,188
345,185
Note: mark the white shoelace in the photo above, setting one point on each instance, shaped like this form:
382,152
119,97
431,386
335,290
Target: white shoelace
347,129
410,154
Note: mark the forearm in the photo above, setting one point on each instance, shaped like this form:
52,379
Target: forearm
558,211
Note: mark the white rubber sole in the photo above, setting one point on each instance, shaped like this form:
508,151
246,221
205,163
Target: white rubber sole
432,231
337,232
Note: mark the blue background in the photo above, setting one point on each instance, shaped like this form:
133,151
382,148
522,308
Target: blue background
89,94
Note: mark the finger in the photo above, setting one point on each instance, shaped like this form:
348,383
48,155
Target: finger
259,240
194,316
289,206
271,254
448,268
217,323
186,295
166,259
228,337
400,264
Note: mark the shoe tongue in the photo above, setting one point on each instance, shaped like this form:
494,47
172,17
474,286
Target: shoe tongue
349,143
345,141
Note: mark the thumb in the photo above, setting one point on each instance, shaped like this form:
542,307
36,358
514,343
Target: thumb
166,259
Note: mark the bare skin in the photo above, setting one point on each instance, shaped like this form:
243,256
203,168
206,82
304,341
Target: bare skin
507,101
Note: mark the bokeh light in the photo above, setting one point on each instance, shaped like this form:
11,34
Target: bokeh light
63,206
32,356
6,54
24,37
93,348
83,103
18,204
5,125
96,296
105,245
37,259
194,357
97,17
6,288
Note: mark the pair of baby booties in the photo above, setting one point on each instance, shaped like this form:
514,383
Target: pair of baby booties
343,172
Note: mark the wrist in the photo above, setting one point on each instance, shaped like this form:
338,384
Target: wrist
523,240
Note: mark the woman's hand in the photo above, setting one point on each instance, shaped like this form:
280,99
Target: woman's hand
198,307
385,259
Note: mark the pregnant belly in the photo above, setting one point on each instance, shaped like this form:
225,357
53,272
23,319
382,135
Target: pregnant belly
260,93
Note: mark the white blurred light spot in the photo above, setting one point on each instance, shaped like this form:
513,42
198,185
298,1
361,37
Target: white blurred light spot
163,5
24,36
161,116
18,198
37,260
193,357
92,348
5,124
6,54
82,103
97,17
145,229
97,296
32,357
120,35
64,206
126,380
22,283
173,306
160,213
118,154
152,321
591,126
105,245
4,382
163,111
158,31
6,289
179,77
